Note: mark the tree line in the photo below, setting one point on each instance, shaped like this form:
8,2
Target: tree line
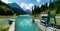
55,5
7,10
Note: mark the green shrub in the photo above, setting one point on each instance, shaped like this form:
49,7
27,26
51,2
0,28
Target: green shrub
4,29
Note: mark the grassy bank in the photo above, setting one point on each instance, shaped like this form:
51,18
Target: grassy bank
6,17
4,27
51,20
57,20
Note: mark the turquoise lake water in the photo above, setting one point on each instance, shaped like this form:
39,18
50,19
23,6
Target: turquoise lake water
24,23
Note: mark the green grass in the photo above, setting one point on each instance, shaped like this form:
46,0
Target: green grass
6,17
52,21
3,18
53,12
4,28
57,20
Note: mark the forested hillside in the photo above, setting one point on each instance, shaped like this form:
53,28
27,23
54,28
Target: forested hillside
5,9
53,7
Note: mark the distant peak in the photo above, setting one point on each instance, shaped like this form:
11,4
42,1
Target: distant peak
13,3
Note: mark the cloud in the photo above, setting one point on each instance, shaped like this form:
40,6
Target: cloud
6,1
48,4
38,1
40,5
26,6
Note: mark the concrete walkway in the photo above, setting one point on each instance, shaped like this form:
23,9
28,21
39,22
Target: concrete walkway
12,27
43,28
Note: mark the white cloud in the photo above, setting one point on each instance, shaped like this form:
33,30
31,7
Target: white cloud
6,1
38,1
48,4
40,5
27,6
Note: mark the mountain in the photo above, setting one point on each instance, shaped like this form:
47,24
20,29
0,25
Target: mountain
5,9
28,11
14,5
17,7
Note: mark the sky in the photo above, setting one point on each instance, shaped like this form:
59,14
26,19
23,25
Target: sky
27,4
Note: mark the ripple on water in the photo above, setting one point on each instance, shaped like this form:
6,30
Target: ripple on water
24,23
